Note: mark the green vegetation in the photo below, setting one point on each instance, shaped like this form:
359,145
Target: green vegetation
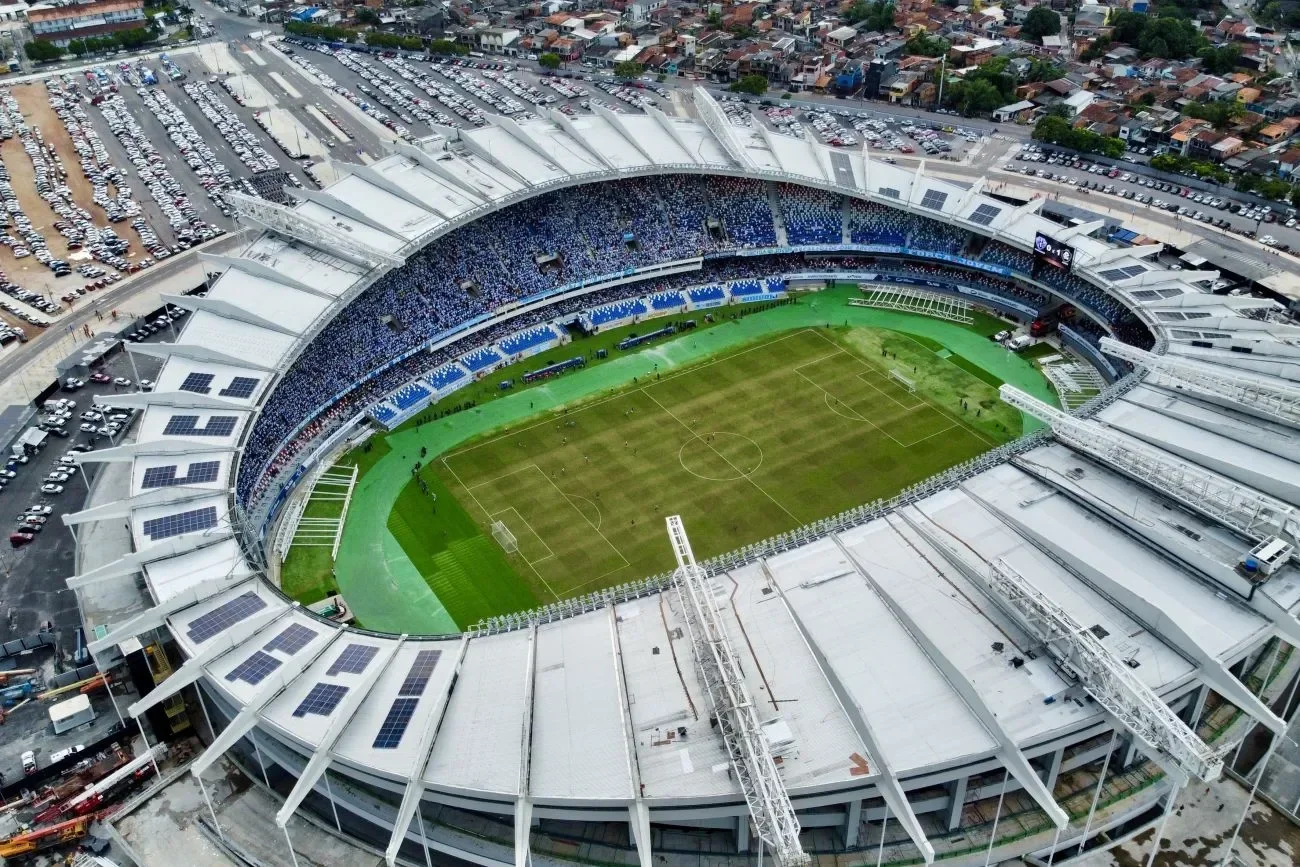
446,46
365,15
1056,130
1168,37
877,15
1220,114
549,60
325,32
1186,166
42,52
985,88
1220,60
1041,21
380,39
926,46
628,69
753,84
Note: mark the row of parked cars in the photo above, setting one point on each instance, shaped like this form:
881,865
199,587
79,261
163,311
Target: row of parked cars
169,316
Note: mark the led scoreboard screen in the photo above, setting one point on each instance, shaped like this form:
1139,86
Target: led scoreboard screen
1050,252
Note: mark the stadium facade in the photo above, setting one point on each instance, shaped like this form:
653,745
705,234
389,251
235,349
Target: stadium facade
939,677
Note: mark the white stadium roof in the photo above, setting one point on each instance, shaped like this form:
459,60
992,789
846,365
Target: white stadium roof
875,642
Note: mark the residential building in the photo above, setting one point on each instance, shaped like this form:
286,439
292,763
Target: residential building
61,24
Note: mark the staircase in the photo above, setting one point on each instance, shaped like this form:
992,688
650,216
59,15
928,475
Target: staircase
778,218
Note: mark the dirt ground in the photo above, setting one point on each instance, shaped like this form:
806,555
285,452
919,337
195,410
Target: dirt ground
33,101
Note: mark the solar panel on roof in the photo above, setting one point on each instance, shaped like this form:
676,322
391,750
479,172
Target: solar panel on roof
293,639
890,192
394,725
187,425
353,659
934,200
417,678
984,214
160,477
321,700
240,386
254,669
224,616
199,383
181,523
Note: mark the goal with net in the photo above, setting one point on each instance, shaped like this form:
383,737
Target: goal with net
504,537
908,384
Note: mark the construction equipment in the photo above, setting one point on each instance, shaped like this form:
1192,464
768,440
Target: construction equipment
25,845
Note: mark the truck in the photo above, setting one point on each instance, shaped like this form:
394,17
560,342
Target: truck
67,715
32,441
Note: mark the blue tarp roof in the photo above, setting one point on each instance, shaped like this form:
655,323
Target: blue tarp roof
307,14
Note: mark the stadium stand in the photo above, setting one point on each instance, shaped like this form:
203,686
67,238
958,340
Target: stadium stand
527,339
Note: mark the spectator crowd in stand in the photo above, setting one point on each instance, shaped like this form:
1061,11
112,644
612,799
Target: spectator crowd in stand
563,239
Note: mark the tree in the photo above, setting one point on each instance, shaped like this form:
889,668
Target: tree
1218,113
1041,21
366,15
1221,60
753,84
628,69
549,60
42,52
977,97
1058,131
446,46
926,46
877,15
1042,69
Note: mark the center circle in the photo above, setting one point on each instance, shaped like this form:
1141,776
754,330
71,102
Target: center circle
720,456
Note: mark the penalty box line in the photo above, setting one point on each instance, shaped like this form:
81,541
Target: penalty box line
536,535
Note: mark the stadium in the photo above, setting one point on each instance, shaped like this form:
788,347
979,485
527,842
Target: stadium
1036,641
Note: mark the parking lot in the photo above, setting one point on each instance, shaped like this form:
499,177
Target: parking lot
1274,226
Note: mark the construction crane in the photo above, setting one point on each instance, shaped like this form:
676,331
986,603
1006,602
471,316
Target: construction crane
25,845
769,804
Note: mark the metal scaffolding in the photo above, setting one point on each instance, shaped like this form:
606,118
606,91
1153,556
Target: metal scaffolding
1251,513
1269,397
770,809
1107,679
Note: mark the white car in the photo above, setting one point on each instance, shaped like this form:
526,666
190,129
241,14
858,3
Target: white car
51,489
57,477
40,509
146,385
122,381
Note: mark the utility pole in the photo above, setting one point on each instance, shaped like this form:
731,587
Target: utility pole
943,65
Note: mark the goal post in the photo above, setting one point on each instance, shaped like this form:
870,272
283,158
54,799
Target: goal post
504,537
908,384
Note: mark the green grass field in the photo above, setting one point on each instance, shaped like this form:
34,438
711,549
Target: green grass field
751,443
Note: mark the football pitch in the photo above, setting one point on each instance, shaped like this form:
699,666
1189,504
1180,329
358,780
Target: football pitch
779,433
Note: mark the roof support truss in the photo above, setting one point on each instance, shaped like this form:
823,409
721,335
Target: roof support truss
247,717
150,448
717,123
226,310
338,206
1245,510
195,352
1107,679
435,166
1257,395
320,759
415,784
254,268
157,616
751,759
1008,750
129,564
523,802
291,224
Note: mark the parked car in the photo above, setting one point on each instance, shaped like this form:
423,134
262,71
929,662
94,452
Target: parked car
29,758
51,489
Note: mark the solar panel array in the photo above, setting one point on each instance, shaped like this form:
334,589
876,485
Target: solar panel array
417,678
240,386
934,199
187,425
322,700
254,669
394,725
199,383
181,523
353,659
224,616
984,214
161,477
890,192
293,639
1124,272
